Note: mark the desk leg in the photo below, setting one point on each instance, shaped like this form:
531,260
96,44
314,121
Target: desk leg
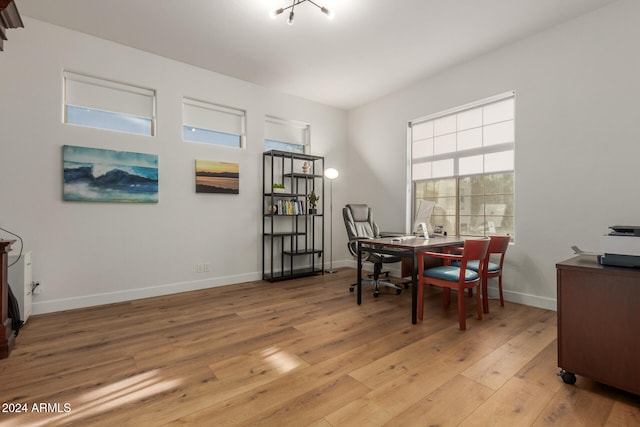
359,274
414,289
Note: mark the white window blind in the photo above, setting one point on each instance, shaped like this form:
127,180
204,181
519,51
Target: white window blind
204,115
100,103
473,139
105,95
286,131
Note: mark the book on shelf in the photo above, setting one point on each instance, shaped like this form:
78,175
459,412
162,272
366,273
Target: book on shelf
290,207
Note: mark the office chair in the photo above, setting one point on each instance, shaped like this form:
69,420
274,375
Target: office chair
358,219
457,277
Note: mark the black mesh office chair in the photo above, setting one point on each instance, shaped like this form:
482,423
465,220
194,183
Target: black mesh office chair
358,219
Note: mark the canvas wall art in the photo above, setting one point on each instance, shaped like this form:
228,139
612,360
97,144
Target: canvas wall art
217,177
97,175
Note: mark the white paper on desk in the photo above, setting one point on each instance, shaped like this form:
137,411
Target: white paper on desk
578,251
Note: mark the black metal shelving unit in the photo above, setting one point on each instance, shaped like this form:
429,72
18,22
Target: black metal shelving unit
292,237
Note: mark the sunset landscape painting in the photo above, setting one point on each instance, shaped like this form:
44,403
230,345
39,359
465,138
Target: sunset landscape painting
217,177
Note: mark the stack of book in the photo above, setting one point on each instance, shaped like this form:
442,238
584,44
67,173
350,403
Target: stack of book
290,207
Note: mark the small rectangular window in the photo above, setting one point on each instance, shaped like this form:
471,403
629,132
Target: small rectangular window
212,124
286,135
105,104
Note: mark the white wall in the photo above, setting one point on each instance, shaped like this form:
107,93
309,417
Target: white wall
577,130
95,253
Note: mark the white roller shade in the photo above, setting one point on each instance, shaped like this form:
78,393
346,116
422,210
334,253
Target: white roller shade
286,131
473,139
105,95
204,115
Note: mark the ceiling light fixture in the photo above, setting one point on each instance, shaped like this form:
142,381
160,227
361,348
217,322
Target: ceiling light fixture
294,3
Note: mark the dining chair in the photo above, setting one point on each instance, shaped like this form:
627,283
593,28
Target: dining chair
457,277
497,246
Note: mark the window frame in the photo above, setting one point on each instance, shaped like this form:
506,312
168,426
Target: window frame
455,156
108,98
286,134
215,120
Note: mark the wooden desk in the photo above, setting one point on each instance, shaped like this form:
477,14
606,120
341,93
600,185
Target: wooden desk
405,249
599,322
7,335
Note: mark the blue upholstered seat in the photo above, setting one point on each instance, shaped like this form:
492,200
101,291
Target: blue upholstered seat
450,273
473,265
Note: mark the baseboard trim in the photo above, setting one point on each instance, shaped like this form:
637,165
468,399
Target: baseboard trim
43,307
525,299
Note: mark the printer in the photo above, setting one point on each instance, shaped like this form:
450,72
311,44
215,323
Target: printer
621,247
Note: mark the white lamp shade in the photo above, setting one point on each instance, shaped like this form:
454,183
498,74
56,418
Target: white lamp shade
331,173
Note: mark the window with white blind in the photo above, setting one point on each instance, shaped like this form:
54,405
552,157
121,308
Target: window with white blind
213,124
105,104
463,160
286,135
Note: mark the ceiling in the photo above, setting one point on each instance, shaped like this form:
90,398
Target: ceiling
371,47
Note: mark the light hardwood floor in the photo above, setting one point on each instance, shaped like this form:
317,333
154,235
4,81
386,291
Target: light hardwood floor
298,353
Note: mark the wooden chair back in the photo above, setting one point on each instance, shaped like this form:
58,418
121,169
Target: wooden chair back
498,245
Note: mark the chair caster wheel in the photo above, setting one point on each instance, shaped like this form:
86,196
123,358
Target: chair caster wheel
350,289
567,377
376,294
398,291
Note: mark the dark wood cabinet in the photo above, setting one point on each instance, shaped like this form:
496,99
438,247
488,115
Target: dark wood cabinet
599,322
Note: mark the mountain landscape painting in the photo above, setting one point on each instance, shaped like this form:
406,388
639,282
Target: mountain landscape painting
97,175
217,177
